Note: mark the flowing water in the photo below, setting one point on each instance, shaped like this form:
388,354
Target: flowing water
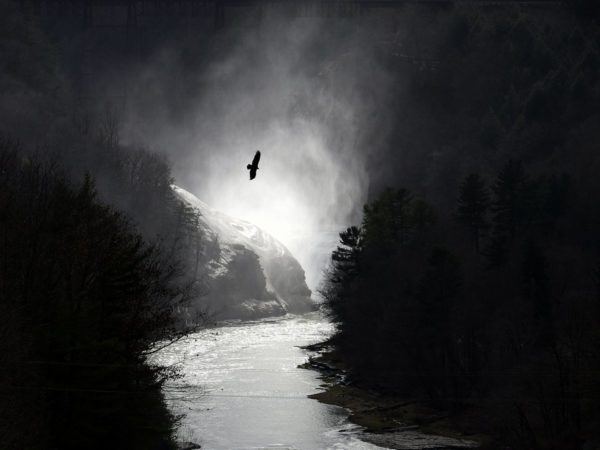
241,389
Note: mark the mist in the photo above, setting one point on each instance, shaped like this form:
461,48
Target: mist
461,138
304,91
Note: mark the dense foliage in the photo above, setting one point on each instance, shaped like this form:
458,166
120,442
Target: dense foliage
510,332
83,301
98,261
483,301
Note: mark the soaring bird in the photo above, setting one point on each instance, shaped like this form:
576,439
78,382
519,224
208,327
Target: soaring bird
254,166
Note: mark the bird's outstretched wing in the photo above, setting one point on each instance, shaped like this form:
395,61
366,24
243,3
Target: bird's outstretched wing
256,159
252,174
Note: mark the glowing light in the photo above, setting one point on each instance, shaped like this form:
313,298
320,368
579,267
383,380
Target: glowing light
300,190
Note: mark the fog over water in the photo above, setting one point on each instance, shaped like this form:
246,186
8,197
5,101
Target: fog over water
304,91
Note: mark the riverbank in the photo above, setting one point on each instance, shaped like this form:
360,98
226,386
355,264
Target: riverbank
241,388
388,420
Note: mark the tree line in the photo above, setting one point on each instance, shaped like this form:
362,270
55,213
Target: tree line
494,312
84,299
472,284
99,263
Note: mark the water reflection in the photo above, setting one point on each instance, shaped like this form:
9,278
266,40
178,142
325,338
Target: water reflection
242,389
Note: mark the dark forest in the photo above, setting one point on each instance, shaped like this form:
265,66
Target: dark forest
454,146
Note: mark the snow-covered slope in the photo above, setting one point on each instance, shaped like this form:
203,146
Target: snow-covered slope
250,273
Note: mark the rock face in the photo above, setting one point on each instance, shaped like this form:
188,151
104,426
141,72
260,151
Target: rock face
248,272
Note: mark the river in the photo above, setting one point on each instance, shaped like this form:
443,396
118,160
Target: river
241,389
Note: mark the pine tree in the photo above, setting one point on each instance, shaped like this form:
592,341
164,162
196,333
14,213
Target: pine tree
345,256
394,218
387,221
344,269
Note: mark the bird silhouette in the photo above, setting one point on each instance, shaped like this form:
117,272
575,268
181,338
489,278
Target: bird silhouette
254,166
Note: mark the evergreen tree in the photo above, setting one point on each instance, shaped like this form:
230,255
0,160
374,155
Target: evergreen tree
387,220
394,218
345,256
343,270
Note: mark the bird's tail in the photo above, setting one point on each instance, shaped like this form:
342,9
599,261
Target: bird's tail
249,166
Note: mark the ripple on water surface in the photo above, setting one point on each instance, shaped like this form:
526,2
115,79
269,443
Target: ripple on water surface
241,389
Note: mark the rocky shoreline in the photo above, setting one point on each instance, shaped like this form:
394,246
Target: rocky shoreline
387,420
